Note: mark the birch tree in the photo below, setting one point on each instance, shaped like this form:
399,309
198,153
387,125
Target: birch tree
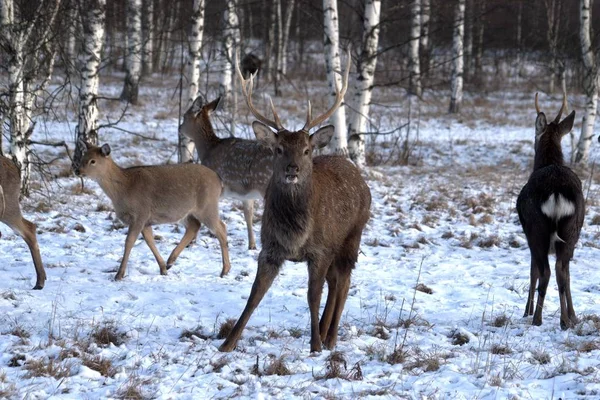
425,47
231,39
279,47
364,82
134,52
287,24
553,14
457,58
478,58
31,55
339,143
413,52
186,146
94,19
590,82
148,36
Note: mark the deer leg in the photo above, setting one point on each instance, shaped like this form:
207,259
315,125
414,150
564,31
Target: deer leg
317,271
544,272
340,302
534,276
268,268
248,206
570,309
332,287
26,230
149,238
191,230
217,226
567,313
132,234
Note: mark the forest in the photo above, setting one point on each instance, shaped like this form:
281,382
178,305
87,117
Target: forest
466,183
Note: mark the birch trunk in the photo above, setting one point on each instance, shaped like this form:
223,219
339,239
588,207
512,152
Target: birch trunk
270,27
148,31
339,143
413,52
553,16
289,12
458,58
93,30
364,82
279,53
134,52
425,47
186,146
231,39
468,40
478,66
590,83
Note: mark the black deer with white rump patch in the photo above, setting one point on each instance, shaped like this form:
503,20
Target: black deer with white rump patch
551,210
315,211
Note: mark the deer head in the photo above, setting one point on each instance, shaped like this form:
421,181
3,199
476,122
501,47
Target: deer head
292,150
552,133
196,118
94,162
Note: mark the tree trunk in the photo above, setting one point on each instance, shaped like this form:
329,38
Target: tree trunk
231,39
413,52
148,30
289,12
364,82
270,27
458,58
186,146
553,16
478,66
93,38
339,143
468,41
425,46
279,48
590,83
134,52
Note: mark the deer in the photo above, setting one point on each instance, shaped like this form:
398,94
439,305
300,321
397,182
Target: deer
243,165
315,210
10,214
551,210
144,196
251,66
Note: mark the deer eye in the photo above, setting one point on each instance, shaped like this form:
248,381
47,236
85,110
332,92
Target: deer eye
92,162
279,150
306,152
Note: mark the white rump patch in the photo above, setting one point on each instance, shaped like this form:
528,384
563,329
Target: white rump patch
557,207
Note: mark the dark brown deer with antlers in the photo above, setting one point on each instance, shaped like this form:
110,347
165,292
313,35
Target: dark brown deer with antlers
315,211
10,214
551,210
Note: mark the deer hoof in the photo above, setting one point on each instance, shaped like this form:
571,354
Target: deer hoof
38,286
169,266
118,277
226,348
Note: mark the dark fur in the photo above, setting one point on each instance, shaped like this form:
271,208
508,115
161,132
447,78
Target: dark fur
250,65
319,220
551,177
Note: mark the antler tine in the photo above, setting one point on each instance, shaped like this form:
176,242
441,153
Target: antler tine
275,116
339,99
308,115
563,107
537,107
246,85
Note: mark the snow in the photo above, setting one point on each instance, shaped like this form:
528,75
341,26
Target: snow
446,221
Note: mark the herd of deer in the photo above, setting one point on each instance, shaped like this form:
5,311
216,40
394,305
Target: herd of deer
315,209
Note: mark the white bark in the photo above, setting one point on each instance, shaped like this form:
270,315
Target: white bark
271,26
148,30
590,83
424,39
279,53
553,17
458,57
186,146
231,40
93,31
289,12
134,51
413,52
364,82
339,143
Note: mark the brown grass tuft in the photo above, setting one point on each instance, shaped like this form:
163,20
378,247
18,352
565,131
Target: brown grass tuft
101,364
421,287
500,349
48,367
225,328
108,333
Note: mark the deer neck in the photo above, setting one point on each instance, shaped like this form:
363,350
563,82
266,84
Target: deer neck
205,140
290,207
114,181
548,154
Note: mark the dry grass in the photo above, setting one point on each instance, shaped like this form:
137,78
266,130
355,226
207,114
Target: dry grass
48,367
458,338
500,321
133,389
189,334
277,366
100,364
225,328
106,333
398,356
541,357
421,287
500,349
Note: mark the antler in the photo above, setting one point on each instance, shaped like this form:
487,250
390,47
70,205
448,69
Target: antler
537,107
563,108
339,98
247,90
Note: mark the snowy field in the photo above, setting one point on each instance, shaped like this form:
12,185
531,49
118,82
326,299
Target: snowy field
435,307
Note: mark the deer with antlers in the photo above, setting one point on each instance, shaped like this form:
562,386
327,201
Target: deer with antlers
315,212
551,209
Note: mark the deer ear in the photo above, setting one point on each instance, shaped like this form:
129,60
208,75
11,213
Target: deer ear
213,105
105,150
540,124
197,105
567,124
264,134
322,137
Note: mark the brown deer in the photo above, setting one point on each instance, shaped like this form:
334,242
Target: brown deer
10,214
251,66
315,211
551,209
158,194
244,166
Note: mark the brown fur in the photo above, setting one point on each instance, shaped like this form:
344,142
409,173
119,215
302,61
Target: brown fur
315,211
10,182
244,166
151,195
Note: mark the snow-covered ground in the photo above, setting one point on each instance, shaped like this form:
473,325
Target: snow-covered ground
434,311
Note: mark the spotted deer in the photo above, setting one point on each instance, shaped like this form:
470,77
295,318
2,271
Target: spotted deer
10,214
315,212
243,165
158,194
551,209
